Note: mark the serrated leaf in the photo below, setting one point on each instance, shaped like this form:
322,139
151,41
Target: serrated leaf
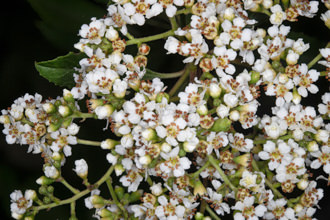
152,74
60,70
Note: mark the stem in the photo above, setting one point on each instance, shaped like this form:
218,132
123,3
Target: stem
183,11
78,195
82,115
196,174
212,214
215,164
114,197
67,185
203,207
182,79
150,38
174,25
73,209
129,36
317,58
152,74
88,142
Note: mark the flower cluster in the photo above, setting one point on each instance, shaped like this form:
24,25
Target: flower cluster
205,147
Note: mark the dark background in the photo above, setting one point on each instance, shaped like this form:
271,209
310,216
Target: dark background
45,31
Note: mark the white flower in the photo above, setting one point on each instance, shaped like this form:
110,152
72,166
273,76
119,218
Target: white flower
81,168
323,158
248,211
94,31
19,203
169,210
156,189
248,179
222,111
73,129
277,210
278,15
131,180
174,165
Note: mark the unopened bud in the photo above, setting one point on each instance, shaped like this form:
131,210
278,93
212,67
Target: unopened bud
119,169
44,180
215,90
4,119
302,184
165,147
244,160
104,213
161,96
67,96
135,196
255,76
49,108
221,124
189,147
145,160
202,110
109,144
298,208
296,97
97,201
64,110
199,188
312,146
149,134
199,216
229,14
104,112
134,84
234,115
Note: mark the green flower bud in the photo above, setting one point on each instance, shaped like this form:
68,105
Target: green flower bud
67,96
134,84
109,144
182,153
244,160
120,191
199,216
199,188
64,111
221,124
119,169
97,201
49,108
46,200
135,196
43,180
149,134
105,213
312,146
255,76
43,190
50,189
202,110
162,95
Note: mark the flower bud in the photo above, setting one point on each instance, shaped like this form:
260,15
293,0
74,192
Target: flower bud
109,144
296,97
322,136
51,172
149,134
44,180
30,194
67,96
16,215
199,188
156,189
112,34
119,169
215,90
244,160
223,111
94,103
4,119
255,76
283,78
120,191
97,201
161,96
267,4
134,84
312,146
221,124
229,14
64,110
302,184
207,218
135,196
165,147
298,208
104,112
145,160
189,147
202,110
81,168
199,216
104,213
234,115
298,135
292,58
49,107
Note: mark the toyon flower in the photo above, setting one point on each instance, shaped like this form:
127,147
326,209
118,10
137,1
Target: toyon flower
20,203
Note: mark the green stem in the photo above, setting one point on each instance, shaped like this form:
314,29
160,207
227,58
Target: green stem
88,142
212,213
114,197
129,36
78,195
203,207
82,115
150,38
174,25
25,121
183,11
73,209
189,68
67,185
317,58
152,74
215,164
196,174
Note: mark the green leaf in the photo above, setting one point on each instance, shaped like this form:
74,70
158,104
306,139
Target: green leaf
60,70
152,74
